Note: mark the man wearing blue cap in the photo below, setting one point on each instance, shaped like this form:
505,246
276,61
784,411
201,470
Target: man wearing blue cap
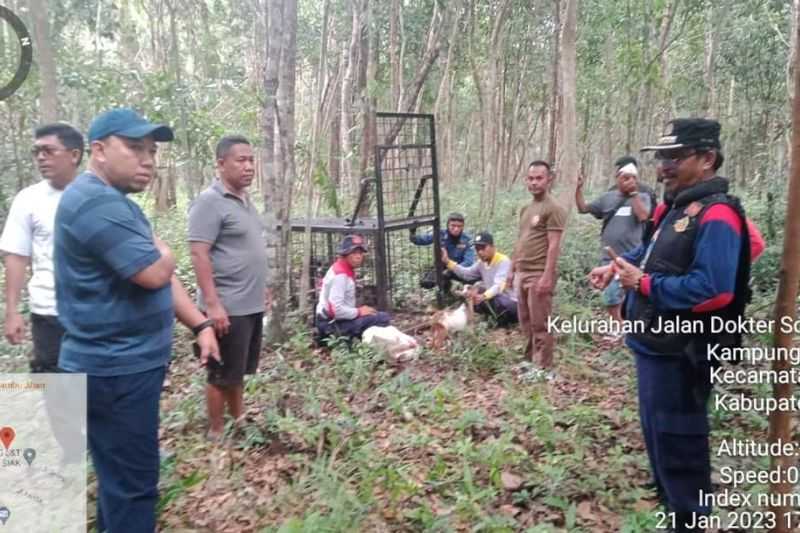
117,299
337,314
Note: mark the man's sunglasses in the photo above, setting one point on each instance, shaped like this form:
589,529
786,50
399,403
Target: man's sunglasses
673,158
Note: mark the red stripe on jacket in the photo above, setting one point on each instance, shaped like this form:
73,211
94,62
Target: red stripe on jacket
341,266
723,213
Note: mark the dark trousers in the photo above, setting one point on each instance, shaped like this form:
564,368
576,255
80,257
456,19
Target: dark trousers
123,441
673,394
351,328
47,332
428,280
502,308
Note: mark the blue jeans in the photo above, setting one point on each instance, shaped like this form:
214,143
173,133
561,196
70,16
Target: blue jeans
613,294
123,441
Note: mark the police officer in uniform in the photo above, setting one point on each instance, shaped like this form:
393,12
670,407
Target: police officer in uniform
695,264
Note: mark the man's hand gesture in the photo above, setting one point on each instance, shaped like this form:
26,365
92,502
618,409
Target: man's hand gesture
601,276
15,328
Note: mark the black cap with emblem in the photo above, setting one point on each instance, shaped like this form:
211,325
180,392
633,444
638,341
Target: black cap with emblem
483,238
701,133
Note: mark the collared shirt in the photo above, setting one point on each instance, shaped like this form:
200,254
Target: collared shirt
235,231
113,326
535,221
492,275
624,230
29,232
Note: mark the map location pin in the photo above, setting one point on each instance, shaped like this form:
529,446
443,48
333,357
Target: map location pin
29,454
7,435
4,514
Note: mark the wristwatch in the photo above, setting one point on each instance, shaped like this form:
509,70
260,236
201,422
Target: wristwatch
201,326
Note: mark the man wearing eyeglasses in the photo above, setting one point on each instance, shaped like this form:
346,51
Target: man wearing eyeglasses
27,240
696,265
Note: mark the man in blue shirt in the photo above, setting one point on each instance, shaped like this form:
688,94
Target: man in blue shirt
117,299
457,244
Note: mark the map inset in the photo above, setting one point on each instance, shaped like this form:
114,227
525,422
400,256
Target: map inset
42,453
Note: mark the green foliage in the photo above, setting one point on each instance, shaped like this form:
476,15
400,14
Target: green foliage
327,189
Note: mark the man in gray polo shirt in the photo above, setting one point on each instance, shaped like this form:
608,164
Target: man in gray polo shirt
624,211
226,237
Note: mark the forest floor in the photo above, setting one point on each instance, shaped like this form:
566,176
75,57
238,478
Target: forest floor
465,439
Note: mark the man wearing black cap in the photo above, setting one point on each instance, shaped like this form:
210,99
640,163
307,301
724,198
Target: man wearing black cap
337,314
490,295
455,241
117,299
696,265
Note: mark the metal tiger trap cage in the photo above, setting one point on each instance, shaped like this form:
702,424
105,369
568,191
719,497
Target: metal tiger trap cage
402,196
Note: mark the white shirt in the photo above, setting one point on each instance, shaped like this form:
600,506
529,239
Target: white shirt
29,232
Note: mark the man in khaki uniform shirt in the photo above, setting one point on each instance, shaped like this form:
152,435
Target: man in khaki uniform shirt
534,261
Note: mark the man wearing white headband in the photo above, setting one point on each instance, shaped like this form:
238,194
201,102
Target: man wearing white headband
624,211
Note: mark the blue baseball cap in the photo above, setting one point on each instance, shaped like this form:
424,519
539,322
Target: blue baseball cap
125,122
351,243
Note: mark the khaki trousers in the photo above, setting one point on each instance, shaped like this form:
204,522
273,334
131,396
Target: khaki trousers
534,310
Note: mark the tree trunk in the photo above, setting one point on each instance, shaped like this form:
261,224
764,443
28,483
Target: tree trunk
395,68
369,103
568,149
555,120
347,118
790,66
780,422
335,146
321,82
443,109
711,42
47,63
272,180
491,87
286,136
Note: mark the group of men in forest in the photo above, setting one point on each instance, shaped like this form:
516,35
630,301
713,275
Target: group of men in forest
104,295
687,258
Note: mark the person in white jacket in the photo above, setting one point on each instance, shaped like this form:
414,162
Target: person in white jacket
337,314
489,295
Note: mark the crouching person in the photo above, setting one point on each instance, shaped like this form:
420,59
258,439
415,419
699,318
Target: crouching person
490,296
336,313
